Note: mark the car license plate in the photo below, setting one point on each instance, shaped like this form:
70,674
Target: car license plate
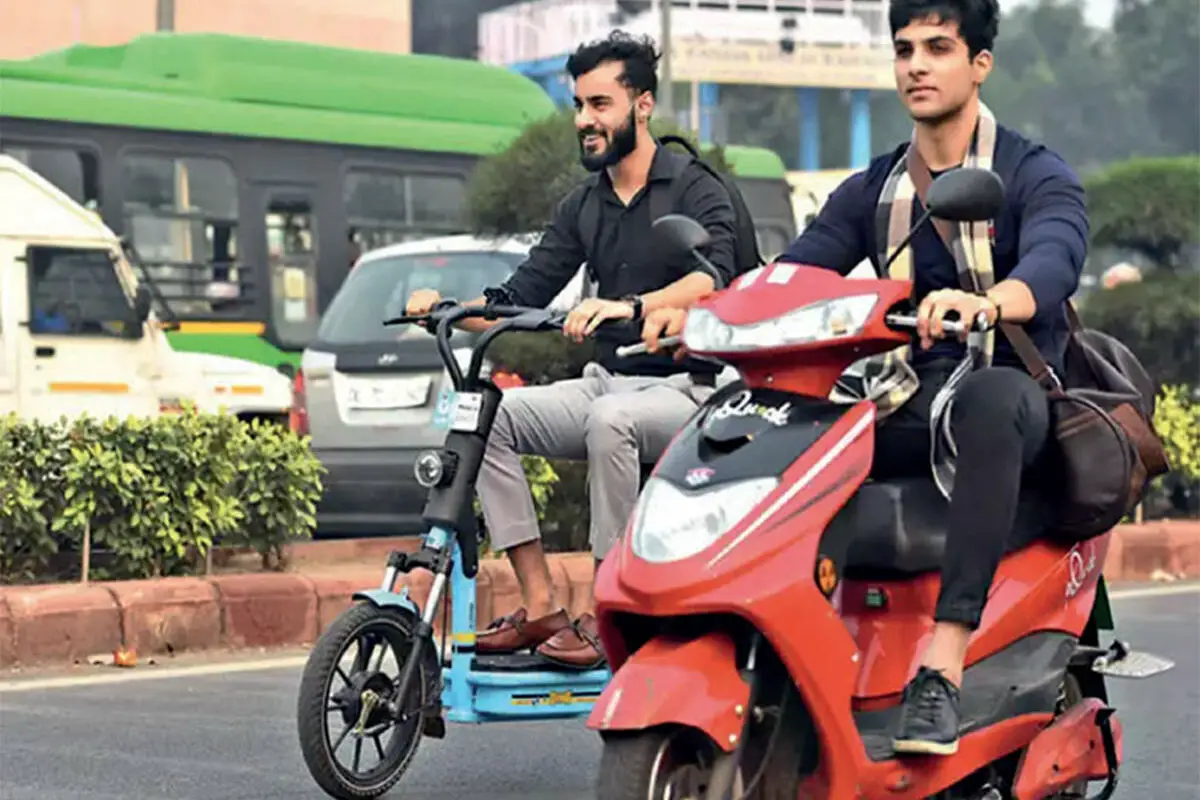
378,395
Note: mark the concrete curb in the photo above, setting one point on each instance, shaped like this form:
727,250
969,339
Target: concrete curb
60,623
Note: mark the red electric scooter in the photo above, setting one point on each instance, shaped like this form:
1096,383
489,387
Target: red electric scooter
768,603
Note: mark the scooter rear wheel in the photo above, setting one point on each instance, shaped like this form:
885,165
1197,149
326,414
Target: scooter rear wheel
660,764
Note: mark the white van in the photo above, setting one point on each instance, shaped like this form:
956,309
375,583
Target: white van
79,334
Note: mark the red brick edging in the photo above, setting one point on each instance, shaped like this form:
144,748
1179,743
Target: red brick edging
60,623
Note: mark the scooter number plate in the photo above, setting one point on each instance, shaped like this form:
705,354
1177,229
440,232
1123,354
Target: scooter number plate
458,411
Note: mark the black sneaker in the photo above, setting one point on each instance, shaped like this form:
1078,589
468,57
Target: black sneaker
929,717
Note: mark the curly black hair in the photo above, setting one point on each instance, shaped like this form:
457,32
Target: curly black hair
638,55
978,20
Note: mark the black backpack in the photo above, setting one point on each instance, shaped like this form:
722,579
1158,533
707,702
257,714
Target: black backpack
746,250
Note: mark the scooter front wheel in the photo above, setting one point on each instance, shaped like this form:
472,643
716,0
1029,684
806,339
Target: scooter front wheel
659,764
353,747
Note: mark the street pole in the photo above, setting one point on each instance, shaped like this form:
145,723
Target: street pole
165,16
666,97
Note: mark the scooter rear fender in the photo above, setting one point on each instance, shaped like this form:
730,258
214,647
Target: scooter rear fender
1069,751
695,683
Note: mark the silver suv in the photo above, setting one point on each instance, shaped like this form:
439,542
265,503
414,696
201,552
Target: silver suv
367,393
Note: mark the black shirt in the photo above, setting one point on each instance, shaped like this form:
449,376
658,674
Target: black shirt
625,260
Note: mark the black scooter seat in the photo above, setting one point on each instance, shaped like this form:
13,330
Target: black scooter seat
898,528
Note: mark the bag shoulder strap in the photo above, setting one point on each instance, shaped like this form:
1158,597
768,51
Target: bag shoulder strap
1024,347
589,223
663,203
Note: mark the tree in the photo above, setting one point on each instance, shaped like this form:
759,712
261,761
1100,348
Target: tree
1151,206
516,191
1057,80
1157,318
1157,45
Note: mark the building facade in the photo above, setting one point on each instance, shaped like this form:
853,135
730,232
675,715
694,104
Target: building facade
808,45
31,28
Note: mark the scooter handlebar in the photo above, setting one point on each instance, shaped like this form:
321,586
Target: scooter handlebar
909,322
905,321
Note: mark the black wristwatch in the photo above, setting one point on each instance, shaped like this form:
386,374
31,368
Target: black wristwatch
636,302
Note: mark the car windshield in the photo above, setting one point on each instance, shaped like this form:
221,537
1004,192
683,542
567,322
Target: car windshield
379,288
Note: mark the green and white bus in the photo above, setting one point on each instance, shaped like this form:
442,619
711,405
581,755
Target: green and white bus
248,174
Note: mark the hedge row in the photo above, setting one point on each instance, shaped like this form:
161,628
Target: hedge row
153,495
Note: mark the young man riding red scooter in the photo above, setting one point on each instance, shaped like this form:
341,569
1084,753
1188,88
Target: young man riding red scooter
1000,419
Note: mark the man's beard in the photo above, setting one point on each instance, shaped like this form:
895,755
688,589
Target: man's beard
622,143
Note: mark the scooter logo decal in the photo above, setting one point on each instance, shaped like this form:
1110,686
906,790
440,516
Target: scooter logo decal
827,577
699,476
1080,568
741,405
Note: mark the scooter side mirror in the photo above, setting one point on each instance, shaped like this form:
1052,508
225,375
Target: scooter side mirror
967,194
680,234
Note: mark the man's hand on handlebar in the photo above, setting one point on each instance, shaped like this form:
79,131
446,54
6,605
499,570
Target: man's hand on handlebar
421,302
936,305
661,323
591,313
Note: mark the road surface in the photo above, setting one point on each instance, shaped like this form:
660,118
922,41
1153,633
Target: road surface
230,735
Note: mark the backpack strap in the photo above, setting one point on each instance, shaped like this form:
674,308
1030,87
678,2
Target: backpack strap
741,210
663,203
589,224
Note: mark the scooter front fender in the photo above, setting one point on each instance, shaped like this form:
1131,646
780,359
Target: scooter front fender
695,683
381,598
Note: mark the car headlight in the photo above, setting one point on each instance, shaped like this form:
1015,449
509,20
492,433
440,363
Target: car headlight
671,524
825,321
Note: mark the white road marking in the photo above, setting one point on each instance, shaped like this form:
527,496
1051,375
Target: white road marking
232,667
151,673
1154,591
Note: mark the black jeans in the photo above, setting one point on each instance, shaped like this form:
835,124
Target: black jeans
1004,483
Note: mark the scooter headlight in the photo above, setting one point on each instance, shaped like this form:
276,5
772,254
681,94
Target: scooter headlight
825,321
671,524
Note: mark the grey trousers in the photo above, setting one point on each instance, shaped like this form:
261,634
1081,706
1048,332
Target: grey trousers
615,422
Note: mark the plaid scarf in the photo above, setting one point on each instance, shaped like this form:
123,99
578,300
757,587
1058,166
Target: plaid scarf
889,379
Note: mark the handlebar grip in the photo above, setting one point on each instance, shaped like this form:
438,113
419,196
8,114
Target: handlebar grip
640,348
406,319
909,321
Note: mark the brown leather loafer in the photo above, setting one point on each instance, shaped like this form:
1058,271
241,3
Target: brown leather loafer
518,632
576,646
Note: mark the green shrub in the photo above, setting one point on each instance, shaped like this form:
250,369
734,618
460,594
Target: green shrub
1149,205
1158,318
153,494
1177,421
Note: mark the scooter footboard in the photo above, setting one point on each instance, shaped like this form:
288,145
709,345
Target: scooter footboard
693,682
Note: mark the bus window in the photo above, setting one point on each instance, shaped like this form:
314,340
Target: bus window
292,265
438,201
376,207
75,172
181,214
384,208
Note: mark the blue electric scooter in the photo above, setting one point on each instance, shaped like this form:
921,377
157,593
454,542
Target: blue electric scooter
354,706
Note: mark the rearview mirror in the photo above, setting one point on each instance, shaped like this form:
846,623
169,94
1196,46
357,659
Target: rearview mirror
141,304
967,194
680,234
